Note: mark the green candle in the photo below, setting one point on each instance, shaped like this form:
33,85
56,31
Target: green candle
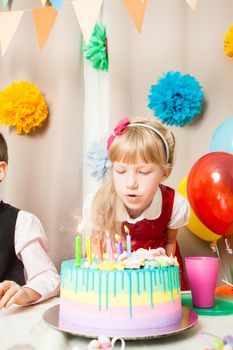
78,251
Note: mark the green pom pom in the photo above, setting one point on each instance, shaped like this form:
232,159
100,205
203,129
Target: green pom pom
96,50
217,343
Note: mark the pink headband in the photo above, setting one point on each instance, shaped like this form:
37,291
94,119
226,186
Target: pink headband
125,122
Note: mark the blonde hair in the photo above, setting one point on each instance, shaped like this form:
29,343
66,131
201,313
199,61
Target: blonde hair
133,142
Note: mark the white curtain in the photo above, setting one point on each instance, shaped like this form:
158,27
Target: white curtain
96,110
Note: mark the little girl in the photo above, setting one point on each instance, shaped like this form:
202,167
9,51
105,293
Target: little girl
132,194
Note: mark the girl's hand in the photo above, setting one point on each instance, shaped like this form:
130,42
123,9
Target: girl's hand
171,241
12,293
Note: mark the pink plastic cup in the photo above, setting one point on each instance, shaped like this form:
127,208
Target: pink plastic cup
202,273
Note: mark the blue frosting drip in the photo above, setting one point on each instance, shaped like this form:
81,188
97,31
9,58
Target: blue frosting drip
167,276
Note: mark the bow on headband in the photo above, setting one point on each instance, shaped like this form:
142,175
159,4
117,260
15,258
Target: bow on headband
118,130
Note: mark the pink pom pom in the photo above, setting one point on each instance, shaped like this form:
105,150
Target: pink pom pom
106,346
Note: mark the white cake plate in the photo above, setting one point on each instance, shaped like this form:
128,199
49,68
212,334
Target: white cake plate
188,320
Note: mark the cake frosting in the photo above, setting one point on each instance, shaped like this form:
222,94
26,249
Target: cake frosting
127,297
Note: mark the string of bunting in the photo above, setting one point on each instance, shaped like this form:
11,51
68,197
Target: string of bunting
44,18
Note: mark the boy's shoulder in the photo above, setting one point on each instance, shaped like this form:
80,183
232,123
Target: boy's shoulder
5,206
28,230
28,217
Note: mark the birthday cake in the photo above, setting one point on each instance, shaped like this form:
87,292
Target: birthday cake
132,296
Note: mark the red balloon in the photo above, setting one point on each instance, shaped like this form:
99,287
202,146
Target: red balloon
210,191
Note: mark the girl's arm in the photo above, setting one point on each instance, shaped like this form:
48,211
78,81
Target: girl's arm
171,241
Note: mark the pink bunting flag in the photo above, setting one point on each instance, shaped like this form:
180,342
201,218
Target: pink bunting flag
9,22
87,12
192,4
136,10
43,2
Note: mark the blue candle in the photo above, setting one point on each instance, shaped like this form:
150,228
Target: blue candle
128,244
119,245
128,240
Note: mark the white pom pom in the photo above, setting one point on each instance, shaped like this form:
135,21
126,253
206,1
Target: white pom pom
94,344
227,347
102,339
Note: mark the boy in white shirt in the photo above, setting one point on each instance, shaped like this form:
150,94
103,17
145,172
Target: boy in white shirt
23,250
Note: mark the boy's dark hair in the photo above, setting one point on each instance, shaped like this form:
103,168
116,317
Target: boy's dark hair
3,150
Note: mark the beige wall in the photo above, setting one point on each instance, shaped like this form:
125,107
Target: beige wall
175,38
45,169
45,173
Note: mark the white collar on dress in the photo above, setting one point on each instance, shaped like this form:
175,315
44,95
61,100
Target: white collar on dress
150,213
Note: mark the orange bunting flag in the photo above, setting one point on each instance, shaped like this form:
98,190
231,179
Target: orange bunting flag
9,22
87,12
192,4
136,10
44,19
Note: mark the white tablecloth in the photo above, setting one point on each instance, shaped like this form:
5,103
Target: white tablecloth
22,328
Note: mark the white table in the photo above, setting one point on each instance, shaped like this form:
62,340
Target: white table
22,328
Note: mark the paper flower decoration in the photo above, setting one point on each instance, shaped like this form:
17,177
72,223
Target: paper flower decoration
176,99
97,159
96,50
228,43
22,106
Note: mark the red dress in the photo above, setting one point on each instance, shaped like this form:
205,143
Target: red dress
152,233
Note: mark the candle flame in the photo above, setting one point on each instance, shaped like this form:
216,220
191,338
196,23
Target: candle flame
126,229
107,234
80,228
117,237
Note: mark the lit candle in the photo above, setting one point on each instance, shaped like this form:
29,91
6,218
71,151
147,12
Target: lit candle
89,250
119,245
78,245
100,249
128,241
109,247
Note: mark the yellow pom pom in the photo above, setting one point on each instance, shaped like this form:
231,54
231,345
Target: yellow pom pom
228,43
22,106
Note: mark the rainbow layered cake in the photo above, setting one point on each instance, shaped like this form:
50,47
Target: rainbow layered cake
131,296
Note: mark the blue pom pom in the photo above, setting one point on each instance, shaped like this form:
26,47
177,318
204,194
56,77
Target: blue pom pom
97,159
176,99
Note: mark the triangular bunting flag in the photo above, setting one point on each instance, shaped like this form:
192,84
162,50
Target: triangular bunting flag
43,2
9,22
57,4
87,12
192,4
136,10
44,19
5,3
